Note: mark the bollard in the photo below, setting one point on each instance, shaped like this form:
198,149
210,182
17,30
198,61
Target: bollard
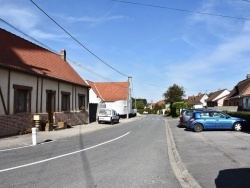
34,134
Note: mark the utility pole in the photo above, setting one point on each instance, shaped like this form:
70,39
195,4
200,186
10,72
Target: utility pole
129,98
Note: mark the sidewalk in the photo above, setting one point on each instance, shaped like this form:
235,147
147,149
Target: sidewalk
26,139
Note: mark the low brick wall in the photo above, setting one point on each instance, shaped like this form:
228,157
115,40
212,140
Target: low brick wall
72,118
13,124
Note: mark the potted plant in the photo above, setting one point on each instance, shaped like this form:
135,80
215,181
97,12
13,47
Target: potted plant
82,108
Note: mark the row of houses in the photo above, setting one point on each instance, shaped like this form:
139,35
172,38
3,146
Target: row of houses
238,97
36,81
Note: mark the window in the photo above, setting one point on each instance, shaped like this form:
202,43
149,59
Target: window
22,99
65,101
81,100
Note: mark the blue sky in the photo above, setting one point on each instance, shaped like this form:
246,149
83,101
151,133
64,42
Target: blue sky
155,45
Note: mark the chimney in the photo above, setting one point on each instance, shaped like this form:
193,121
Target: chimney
63,54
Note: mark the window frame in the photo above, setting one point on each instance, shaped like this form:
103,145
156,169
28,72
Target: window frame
19,91
81,100
65,95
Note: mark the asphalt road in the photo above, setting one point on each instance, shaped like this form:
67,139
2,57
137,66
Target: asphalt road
133,154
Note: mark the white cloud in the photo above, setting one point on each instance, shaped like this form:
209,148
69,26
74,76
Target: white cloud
93,20
38,34
219,67
19,16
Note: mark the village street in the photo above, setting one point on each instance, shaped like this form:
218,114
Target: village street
132,154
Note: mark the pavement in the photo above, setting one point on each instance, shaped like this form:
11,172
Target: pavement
42,136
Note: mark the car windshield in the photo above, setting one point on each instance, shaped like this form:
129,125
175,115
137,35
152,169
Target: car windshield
105,111
108,112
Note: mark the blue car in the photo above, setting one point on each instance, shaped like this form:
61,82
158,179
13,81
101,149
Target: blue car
214,120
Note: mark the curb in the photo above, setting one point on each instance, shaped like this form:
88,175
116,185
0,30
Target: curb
183,176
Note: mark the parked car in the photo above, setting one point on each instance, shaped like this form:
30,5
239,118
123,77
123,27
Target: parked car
214,120
184,117
186,114
108,115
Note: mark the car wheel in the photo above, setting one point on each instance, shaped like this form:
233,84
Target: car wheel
237,126
198,127
118,120
112,121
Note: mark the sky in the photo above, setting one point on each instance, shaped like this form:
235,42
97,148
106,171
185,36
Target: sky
200,45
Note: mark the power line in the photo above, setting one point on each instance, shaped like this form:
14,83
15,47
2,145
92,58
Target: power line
77,40
13,27
80,65
183,10
54,51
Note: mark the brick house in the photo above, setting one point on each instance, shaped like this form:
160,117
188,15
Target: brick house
197,101
34,80
240,95
217,98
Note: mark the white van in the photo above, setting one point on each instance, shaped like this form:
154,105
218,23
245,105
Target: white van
108,115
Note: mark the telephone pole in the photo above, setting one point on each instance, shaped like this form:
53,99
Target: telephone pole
129,98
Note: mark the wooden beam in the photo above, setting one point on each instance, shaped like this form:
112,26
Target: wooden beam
4,107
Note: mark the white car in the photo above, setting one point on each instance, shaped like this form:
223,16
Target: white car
108,115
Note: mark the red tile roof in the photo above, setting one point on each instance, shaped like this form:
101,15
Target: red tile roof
239,89
110,91
161,102
20,54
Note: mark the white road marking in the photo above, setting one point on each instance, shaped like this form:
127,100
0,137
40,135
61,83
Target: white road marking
64,155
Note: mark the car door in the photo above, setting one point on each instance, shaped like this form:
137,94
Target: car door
208,120
222,121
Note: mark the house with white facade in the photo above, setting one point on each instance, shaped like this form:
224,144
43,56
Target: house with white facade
36,81
198,101
115,95
217,98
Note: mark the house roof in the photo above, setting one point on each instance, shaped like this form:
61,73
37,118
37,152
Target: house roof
195,99
110,91
215,95
239,89
20,54
161,102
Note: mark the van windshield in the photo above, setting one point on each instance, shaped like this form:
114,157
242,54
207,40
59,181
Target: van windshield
105,111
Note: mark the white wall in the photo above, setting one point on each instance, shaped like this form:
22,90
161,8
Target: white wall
203,100
93,97
120,107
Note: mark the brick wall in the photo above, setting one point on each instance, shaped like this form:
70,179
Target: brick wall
12,124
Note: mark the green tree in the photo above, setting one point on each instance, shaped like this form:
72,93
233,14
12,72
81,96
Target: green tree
181,105
174,94
139,103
